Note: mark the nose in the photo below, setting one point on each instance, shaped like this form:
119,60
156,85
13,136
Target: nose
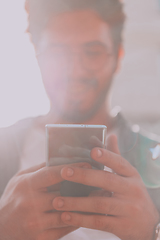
76,68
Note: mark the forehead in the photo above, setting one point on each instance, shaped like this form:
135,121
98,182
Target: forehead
77,28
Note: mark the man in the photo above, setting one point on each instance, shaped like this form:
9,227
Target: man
78,46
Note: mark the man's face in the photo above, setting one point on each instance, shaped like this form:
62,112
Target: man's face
77,63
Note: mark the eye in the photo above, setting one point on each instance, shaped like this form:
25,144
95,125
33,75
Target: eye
57,51
94,53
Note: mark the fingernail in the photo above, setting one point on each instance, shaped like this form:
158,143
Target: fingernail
67,217
99,153
60,203
70,172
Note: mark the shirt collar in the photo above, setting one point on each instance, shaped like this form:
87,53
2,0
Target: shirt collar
127,134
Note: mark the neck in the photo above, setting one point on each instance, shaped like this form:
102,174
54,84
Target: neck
102,117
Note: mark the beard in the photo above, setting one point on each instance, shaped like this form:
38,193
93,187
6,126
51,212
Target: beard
77,116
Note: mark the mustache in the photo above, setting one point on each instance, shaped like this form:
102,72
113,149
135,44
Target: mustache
93,82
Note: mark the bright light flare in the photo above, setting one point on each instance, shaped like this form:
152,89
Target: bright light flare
21,90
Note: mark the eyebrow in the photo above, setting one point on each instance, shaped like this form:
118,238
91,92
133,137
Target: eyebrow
56,45
88,44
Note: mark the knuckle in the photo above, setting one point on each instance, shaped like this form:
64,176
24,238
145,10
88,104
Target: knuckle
135,209
111,179
56,222
49,176
34,225
137,190
112,208
83,176
71,204
122,164
30,225
98,206
127,225
126,185
98,223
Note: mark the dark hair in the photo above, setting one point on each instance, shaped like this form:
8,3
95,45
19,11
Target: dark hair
111,11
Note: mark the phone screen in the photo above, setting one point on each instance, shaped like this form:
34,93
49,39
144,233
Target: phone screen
67,144
72,143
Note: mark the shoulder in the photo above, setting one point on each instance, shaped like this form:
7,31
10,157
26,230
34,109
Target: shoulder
148,146
145,156
15,128
18,130
141,149
11,141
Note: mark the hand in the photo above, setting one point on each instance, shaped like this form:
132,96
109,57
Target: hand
72,154
129,214
26,210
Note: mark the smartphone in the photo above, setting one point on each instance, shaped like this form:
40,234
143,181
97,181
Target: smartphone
72,143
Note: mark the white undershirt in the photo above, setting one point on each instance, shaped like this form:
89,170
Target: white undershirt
88,234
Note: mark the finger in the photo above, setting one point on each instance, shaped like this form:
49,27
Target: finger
68,160
100,205
114,161
32,169
54,188
52,221
48,176
44,202
69,151
99,222
100,193
95,142
56,233
109,181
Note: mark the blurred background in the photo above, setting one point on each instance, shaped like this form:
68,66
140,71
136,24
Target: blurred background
136,87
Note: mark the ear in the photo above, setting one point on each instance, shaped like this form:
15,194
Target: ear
27,6
120,55
27,11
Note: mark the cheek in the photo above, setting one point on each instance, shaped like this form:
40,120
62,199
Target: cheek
106,74
104,78
54,75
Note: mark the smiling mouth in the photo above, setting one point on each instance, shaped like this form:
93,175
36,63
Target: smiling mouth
78,90
82,87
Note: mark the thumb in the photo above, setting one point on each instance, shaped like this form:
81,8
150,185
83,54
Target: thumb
112,144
